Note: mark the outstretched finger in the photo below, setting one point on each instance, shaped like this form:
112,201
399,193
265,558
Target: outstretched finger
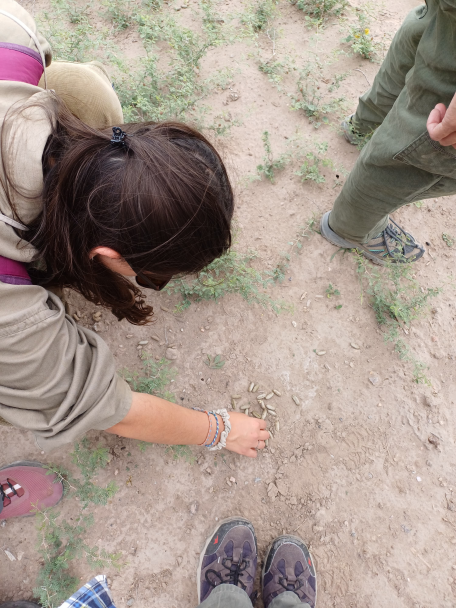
263,435
260,445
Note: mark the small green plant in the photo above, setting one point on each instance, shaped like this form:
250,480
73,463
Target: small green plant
310,169
258,15
154,380
319,11
312,97
270,164
360,38
181,452
448,239
70,32
295,247
215,362
397,300
119,12
231,273
332,291
61,542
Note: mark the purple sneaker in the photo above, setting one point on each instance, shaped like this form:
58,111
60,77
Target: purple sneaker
229,557
289,567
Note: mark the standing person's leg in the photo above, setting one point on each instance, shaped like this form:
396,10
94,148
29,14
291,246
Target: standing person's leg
228,562
401,164
375,104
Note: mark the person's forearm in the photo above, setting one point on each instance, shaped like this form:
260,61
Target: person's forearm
158,421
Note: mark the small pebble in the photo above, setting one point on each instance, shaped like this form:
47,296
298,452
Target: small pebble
374,378
320,352
131,336
294,323
171,354
418,478
154,337
143,342
354,345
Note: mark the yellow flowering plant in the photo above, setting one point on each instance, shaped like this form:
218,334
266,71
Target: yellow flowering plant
360,39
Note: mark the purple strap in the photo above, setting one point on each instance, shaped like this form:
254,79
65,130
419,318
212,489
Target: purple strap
13,272
20,64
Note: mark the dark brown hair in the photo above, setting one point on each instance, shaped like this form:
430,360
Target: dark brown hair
163,201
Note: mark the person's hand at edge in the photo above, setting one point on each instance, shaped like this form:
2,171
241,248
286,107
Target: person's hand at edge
441,124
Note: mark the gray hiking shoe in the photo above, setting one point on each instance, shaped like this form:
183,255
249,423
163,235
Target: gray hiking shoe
393,245
289,567
229,557
351,135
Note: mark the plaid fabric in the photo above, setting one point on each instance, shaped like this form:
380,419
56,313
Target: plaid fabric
94,594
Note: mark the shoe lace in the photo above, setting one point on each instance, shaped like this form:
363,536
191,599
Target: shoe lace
235,571
290,585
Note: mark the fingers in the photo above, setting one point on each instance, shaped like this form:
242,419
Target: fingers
263,435
261,445
436,127
450,140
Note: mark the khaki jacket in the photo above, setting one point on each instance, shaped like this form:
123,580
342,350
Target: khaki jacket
57,379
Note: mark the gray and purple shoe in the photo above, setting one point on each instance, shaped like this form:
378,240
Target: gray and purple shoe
229,557
289,567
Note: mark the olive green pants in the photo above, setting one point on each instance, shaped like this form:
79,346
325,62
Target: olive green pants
401,164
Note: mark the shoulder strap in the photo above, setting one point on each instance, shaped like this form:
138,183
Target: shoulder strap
7,220
35,40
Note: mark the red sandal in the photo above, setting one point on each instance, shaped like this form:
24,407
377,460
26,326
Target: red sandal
26,486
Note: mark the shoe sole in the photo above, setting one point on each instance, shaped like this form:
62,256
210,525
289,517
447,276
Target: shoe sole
333,238
300,542
30,463
209,538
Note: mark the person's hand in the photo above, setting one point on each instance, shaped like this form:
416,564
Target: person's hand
441,124
247,435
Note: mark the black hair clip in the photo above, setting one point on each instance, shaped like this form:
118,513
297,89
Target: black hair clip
118,136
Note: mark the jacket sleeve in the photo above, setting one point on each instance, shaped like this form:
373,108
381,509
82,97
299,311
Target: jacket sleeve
57,379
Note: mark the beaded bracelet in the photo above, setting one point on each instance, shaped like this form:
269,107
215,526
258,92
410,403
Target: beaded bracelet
209,431
210,446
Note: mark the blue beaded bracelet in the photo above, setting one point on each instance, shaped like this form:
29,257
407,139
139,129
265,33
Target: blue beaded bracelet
216,432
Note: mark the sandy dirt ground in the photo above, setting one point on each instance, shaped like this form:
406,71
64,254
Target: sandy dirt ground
351,470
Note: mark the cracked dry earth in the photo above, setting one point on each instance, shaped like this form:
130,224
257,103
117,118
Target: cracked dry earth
363,472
